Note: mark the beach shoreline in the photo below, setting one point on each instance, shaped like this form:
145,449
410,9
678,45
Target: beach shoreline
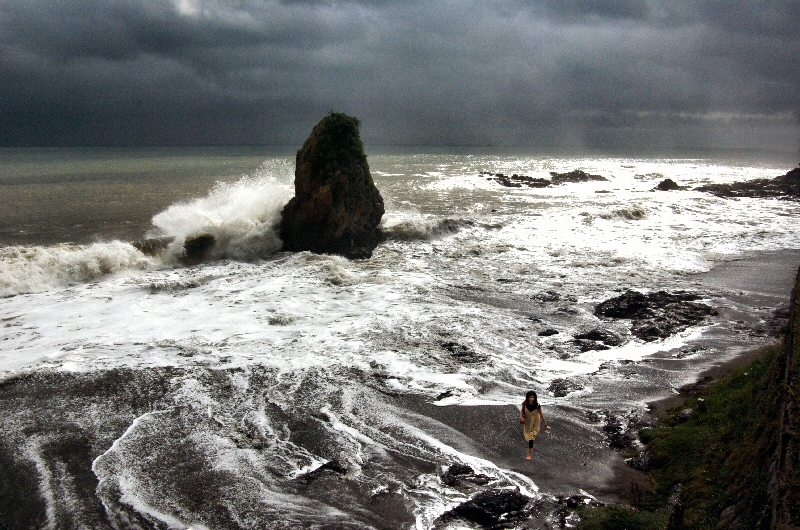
576,458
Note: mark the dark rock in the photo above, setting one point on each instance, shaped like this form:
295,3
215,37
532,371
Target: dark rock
517,181
331,466
548,296
575,175
643,462
488,507
457,474
198,248
786,186
561,387
153,246
608,338
462,353
590,345
656,315
336,208
548,332
667,185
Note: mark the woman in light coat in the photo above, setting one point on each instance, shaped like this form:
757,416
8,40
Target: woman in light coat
531,418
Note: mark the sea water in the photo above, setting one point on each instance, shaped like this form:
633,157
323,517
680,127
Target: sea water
321,355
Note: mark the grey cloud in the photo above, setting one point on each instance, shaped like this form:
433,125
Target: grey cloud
263,71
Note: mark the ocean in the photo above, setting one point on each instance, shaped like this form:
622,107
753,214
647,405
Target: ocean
267,389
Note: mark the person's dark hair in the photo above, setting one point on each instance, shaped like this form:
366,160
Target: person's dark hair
535,405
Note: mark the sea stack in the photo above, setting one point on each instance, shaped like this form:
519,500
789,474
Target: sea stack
336,208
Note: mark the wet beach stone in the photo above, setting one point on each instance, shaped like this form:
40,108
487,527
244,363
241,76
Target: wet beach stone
598,339
489,507
561,387
457,474
656,315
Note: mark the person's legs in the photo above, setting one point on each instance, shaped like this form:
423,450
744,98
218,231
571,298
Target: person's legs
530,449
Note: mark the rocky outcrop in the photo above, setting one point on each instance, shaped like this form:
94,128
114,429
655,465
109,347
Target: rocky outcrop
656,315
784,469
518,181
786,187
336,208
154,246
598,339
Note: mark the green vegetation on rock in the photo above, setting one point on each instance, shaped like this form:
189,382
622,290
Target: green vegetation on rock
338,143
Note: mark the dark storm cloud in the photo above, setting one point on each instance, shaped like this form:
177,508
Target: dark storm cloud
589,72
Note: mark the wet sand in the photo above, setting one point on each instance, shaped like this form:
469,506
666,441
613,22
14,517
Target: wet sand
576,456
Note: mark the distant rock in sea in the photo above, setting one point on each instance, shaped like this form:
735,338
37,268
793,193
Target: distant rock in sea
336,208
576,175
786,187
518,181
667,185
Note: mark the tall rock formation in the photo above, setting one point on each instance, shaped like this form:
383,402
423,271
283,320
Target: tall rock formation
336,208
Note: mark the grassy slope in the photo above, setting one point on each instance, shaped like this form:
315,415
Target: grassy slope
719,454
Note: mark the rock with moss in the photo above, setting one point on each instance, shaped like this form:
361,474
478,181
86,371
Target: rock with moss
336,208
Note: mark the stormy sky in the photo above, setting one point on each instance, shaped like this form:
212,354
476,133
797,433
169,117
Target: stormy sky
587,73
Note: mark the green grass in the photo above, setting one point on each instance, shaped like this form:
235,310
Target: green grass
720,454
621,518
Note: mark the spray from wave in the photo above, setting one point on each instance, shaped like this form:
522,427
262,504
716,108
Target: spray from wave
241,217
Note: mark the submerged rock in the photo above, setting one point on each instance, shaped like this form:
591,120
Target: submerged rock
786,186
518,181
656,315
336,208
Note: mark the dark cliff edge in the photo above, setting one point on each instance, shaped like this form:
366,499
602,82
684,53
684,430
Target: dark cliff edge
728,457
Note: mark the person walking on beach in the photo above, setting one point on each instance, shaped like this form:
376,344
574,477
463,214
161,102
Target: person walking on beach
531,418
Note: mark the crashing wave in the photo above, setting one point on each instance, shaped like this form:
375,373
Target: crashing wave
241,217
36,269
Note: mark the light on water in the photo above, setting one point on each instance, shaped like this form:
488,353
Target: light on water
257,369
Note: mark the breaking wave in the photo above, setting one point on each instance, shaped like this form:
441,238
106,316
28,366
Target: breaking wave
36,269
425,230
242,218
